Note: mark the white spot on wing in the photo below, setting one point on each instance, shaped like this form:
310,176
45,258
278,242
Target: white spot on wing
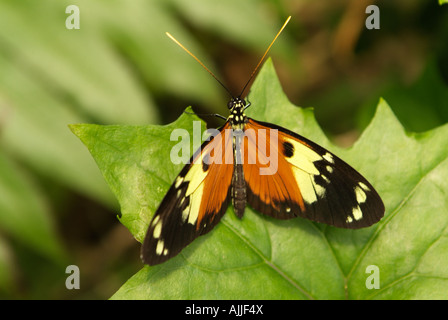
154,222
363,186
360,195
357,213
320,191
157,230
181,202
328,157
185,214
160,247
178,182
325,178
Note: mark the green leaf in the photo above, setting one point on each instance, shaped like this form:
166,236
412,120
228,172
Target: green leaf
258,257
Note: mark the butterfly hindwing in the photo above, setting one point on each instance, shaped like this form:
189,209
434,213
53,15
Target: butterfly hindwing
309,181
195,202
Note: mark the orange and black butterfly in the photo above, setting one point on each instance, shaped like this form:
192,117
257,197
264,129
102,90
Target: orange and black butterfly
276,171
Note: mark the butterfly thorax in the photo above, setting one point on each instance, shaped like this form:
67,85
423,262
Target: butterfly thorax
237,118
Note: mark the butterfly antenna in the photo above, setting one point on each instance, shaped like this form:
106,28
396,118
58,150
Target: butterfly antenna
200,62
262,58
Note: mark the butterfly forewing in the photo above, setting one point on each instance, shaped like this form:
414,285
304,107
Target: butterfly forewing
195,202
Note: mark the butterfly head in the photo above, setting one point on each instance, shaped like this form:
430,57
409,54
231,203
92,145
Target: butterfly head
237,117
236,103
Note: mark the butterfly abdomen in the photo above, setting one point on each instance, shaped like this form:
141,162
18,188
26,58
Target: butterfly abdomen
238,182
238,191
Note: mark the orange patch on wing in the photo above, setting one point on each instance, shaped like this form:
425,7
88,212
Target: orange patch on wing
219,174
277,185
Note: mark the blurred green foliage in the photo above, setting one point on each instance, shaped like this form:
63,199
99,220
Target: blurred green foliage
120,68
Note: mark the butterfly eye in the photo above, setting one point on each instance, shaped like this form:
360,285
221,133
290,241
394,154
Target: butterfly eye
230,104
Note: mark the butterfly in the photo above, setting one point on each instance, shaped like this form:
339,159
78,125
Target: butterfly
276,171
